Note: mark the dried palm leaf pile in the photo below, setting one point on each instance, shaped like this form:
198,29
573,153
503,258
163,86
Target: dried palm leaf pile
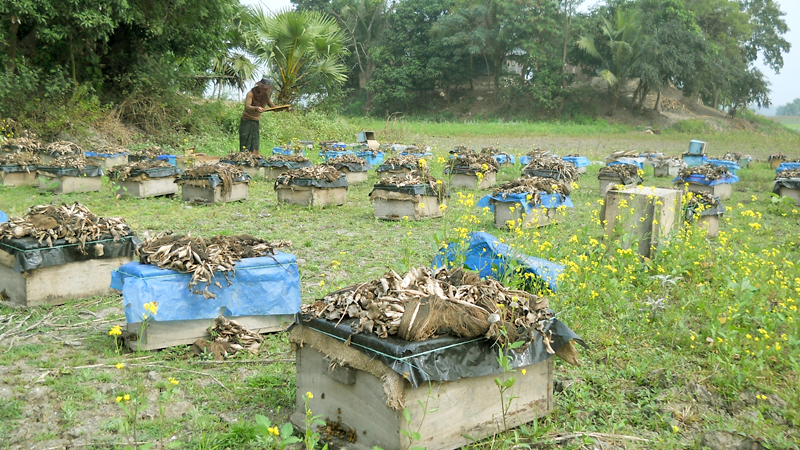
20,159
111,150
227,174
423,303
461,150
790,173
345,159
326,173
74,223
152,152
399,162
415,178
622,154
533,186
701,200
538,153
556,168
708,171
732,156
136,169
203,258
471,163
776,156
668,162
494,151
286,158
26,142
63,148
248,159
626,172
74,161
331,145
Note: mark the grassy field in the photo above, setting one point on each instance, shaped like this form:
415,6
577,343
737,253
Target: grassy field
698,343
792,122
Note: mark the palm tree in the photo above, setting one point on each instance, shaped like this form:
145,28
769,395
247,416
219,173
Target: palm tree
626,42
300,49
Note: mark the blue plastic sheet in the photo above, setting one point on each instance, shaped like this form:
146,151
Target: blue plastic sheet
732,166
638,162
3,217
373,159
491,258
328,154
103,155
418,155
787,166
579,161
700,179
171,159
261,286
550,201
504,158
524,160
286,151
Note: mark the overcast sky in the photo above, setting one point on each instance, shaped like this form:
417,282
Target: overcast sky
785,86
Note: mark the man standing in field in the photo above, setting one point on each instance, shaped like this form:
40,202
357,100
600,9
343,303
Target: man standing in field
254,103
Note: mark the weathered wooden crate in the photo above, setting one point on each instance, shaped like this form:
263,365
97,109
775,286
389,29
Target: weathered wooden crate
354,177
187,162
459,412
197,193
722,191
606,184
666,171
272,173
794,194
401,172
390,205
157,335
709,223
647,213
13,179
254,172
537,217
107,162
67,184
55,285
773,164
470,181
151,187
311,195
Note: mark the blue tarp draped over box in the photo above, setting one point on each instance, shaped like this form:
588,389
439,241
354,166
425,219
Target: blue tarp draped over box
638,162
787,166
103,155
504,158
732,166
3,217
261,286
550,201
485,252
328,154
287,151
417,154
700,179
374,159
579,161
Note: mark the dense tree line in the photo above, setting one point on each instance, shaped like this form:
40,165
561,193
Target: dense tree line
389,55
789,109
403,52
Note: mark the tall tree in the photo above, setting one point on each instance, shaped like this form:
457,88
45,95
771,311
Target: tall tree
301,49
789,109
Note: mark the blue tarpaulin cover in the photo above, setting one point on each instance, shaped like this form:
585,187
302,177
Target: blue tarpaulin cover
503,158
261,286
103,155
486,252
421,155
700,179
3,217
374,159
286,151
787,166
579,161
328,154
638,162
550,201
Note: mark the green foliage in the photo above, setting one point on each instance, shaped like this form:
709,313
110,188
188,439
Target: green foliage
789,109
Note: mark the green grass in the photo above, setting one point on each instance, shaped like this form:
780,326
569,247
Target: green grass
640,377
792,122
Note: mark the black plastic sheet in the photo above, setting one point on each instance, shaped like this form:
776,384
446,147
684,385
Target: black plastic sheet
340,182
788,183
29,254
291,165
443,358
11,168
240,163
87,171
157,172
215,180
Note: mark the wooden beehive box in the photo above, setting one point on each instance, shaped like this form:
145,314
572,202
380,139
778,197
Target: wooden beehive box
792,193
647,213
201,191
459,412
311,195
107,162
403,171
264,296
774,163
69,184
152,187
722,191
354,177
470,181
666,171
14,179
57,284
505,212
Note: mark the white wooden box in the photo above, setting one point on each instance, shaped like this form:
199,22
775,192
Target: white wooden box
401,172
311,195
354,177
107,162
471,181
794,194
13,179
67,185
207,194
537,217
458,411
722,191
647,213
666,171
151,187
390,205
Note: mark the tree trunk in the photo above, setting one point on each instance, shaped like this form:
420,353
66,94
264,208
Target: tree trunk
11,64
657,107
